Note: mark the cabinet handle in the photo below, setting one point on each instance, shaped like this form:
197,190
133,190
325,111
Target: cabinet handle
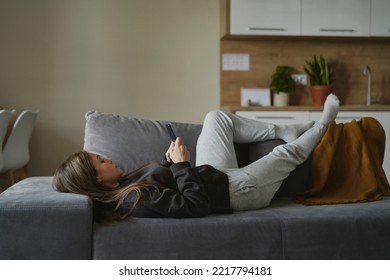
336,30
276,117
349,118
266,29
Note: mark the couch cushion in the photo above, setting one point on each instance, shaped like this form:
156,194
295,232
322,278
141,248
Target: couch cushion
245,235
132,142
284,230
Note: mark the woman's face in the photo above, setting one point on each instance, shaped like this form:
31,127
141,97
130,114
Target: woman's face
108,173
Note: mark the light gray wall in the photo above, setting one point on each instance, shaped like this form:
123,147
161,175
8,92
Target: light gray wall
155,59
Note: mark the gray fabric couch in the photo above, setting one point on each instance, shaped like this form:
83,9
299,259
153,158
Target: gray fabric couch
36,222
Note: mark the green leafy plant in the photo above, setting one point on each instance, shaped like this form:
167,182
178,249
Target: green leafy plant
282,80
319,72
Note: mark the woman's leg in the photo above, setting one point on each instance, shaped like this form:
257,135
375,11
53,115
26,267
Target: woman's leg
221,129
253,186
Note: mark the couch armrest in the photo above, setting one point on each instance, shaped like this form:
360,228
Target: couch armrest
37,222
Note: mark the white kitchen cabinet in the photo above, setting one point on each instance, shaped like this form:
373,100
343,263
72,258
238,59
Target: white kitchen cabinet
276,117
336,17
380,18
333,18
265,17
289,117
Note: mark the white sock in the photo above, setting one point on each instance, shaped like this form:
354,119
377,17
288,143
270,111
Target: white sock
331,109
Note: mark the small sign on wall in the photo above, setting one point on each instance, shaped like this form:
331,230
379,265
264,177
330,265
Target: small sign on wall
255,97
235,62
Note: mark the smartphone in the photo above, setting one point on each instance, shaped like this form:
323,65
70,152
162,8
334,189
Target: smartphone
171,132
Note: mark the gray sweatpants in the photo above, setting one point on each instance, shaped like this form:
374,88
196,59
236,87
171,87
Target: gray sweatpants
253,186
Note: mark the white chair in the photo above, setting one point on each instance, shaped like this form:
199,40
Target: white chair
5,118
16,153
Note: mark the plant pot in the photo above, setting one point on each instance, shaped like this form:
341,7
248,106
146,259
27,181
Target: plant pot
319,94
281,99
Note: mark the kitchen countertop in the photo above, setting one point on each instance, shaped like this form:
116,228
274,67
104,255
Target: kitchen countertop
345,108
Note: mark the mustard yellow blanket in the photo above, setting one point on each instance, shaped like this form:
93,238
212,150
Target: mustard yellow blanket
347,165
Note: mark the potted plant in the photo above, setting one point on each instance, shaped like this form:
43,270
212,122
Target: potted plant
282,84
321,78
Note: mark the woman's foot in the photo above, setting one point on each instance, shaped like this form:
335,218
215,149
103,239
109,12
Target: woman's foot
289,133
331,109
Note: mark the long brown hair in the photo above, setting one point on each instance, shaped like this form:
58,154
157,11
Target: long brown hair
77,175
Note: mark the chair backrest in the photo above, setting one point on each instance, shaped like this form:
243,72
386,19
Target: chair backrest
16,152
5,118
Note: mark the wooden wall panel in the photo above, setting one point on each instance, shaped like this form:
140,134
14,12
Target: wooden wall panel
348,56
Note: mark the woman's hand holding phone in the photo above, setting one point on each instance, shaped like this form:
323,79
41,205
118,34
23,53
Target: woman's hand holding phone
178,152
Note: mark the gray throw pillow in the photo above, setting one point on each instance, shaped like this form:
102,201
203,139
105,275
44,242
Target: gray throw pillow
132,142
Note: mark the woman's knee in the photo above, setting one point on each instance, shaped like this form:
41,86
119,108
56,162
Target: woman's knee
216,117
213,115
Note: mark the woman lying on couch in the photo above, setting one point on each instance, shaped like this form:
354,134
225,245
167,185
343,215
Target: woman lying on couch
216,185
